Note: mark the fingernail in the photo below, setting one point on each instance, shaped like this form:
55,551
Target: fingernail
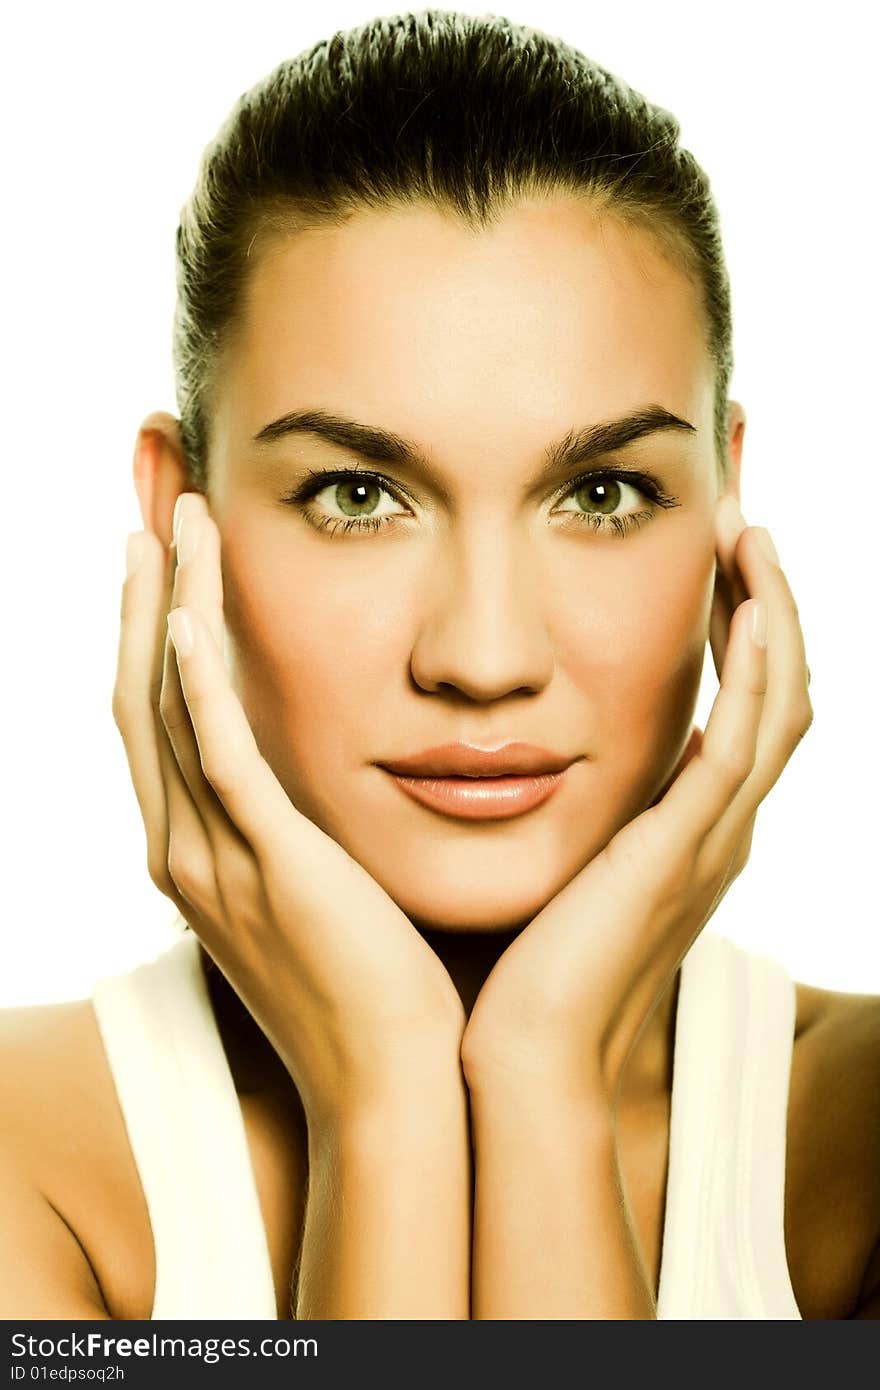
188,531
181,630
186,504
177,518
134,552
759,622
762,536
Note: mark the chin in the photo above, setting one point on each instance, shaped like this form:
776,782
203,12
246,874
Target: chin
476,907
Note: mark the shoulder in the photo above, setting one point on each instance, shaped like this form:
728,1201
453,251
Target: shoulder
837,1036
56,1094
49,1053
49,1155
833,1168
65,1156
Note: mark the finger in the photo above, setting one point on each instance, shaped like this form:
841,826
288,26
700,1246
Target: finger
729,590
729,526
704,791
197,584
742,852
198,580
190,858
787,709
160,633
143,595
230,759
720,619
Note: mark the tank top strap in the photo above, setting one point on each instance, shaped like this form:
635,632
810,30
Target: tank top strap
186,1130
723,1253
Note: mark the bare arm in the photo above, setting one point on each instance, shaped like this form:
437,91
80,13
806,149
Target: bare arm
388,1213
44,1272
553,1238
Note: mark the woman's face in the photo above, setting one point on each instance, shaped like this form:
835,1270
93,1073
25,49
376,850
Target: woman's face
483,608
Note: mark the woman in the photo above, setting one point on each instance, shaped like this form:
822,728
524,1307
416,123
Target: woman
455,485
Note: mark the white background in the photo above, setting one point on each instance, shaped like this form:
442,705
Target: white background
107,111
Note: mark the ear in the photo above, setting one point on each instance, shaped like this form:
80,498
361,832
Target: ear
736,427
160,473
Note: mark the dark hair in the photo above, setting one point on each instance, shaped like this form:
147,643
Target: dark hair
459,111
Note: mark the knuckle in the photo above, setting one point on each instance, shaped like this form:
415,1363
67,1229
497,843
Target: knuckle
219,768
192,874
120,707
733,764
157,867
800,717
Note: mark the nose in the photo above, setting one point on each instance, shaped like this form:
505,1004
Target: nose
481,632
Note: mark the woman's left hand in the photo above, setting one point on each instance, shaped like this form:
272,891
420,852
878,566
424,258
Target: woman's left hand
568,999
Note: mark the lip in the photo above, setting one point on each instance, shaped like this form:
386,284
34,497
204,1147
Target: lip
473,783
469,760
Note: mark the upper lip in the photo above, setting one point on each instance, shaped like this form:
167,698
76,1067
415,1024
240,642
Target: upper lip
469,760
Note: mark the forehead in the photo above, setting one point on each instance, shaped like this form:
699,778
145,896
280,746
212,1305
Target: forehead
553,317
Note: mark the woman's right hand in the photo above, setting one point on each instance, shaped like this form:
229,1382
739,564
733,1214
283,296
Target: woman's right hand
348,993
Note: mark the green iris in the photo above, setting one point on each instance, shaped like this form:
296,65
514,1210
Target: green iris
350,507
599,497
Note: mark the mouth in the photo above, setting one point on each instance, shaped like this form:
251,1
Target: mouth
474,783
480,798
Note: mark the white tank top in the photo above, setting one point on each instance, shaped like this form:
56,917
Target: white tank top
723,1252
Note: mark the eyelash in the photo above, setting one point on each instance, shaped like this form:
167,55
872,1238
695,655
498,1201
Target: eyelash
315,482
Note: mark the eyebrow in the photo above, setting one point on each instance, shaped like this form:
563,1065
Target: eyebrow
384,446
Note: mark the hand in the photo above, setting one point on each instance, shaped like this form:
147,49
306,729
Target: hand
566,1002
348,993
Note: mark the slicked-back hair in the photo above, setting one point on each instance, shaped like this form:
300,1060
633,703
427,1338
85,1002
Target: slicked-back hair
455,111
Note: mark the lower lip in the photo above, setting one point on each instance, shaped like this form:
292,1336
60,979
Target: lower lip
480,798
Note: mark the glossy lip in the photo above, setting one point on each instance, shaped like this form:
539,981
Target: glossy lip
469,760
472,783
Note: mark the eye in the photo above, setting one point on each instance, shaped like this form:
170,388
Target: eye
604,495
611,501
354,496
347,500
350,500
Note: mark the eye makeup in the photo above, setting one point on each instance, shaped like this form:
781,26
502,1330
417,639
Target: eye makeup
610,484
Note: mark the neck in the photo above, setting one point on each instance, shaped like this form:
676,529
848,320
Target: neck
468,956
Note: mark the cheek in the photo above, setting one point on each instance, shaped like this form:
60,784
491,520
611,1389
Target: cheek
310,663
636,654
